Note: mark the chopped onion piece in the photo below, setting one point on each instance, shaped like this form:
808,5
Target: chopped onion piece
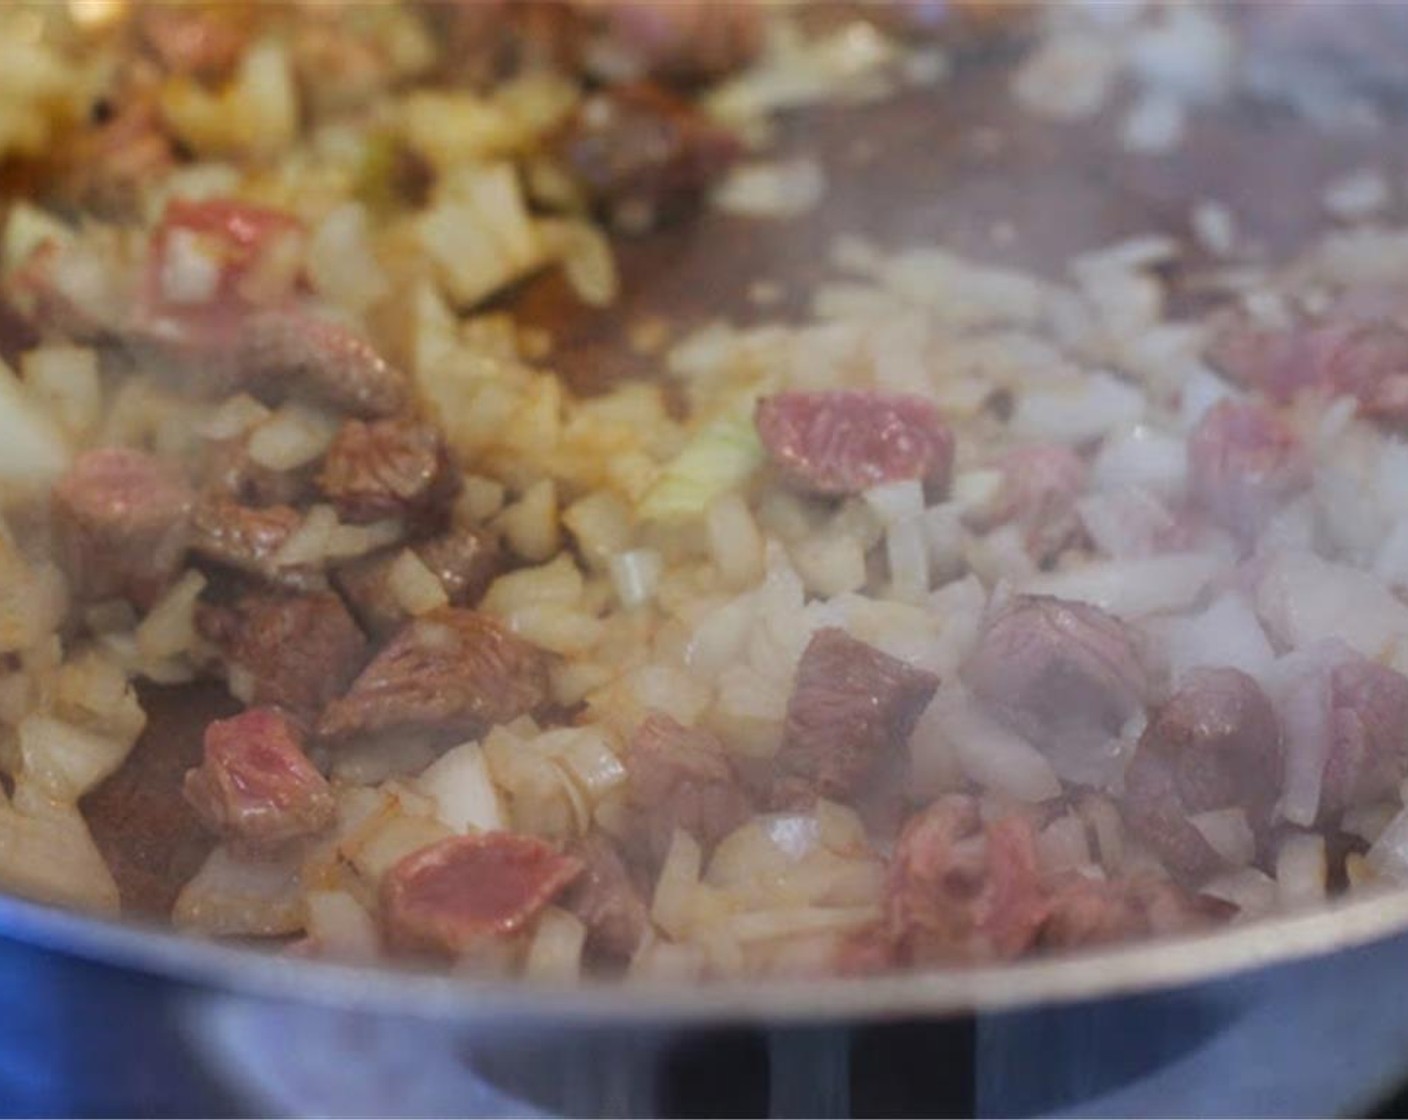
1228,834
1301,870
459,783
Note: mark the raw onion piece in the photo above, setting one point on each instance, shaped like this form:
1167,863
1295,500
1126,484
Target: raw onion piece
1299,688
1303,599
1226,633
1134,588
1062,845
459,783
989,753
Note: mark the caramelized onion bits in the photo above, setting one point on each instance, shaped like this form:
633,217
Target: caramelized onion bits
256,787
122,522
851,704
1066,676
451,670
455,894
846,441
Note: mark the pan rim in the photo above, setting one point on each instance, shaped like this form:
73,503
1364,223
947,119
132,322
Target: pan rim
1129,970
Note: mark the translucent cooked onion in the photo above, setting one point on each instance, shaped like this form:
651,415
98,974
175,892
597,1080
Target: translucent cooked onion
1301,870
47,854
233,897
1228,834
555,953
65,761
339,926
672,906
463,791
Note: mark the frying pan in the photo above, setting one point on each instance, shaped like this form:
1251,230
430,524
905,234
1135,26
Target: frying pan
243,1030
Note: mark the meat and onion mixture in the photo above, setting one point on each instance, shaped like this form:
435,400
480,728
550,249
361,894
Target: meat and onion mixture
971,614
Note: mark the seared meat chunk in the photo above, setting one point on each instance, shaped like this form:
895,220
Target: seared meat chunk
228,471
122,522
296,652
1082,912
285,354
1065,675
389,468
249,540
643,155
607,901
844,441
850,706
1368,755
1215,744
681,40
255,786
451,670
1362,357
465,560
681,778
960,891
456,894
1243,462
200,42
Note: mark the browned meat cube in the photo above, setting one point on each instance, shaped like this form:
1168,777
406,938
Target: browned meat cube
297,651
681,778
464,560
255,786
850,706
1065,675
289,353
464,890
607,901
389,468
249,540
643,155
1215,744
122,520
450,670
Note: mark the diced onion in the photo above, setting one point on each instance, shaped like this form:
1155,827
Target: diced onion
1301,870
671,908
555,952
636,575
461,787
